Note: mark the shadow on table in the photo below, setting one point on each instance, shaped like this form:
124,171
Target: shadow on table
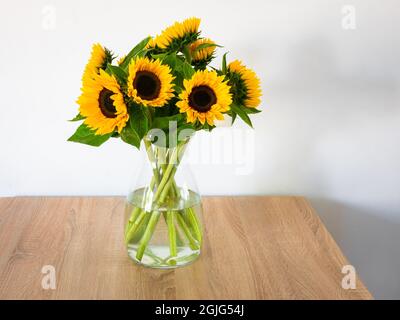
371,243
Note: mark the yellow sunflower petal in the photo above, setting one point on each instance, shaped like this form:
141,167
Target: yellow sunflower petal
250,81
97,59
177,31
202,54
150,82
205,97
102,104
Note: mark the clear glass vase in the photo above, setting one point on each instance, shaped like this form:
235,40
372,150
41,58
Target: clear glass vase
163,213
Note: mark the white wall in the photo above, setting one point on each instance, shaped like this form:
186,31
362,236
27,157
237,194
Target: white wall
330,129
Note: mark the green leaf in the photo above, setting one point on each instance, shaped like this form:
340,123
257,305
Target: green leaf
160,56
206,45
187,54
234,114
171,60
178,82
185,126
251,110
138,121
78,117
118,72
87,136
224,68
134,52
163,122
142,53
130,136
207,127
242,114
178,67
187,70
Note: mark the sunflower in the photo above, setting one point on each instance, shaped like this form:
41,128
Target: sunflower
150,82
121,60
151,44
99,58
202,54
245,83
102,104
205,97
177,35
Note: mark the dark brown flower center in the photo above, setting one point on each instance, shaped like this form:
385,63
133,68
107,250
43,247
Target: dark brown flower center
202,98
107,104
147,85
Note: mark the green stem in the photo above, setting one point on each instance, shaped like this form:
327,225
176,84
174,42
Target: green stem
192,242
150,154
193,220
147,234
163,189
150,254
171,234
130,230
163,183
134,214
152,224
167,187
134,226
195,223
154,180
169,172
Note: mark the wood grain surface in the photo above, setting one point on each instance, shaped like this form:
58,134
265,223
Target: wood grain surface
254,248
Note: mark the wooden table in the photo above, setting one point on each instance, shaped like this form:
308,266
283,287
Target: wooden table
254,248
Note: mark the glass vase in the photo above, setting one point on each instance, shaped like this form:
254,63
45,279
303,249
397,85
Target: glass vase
163,213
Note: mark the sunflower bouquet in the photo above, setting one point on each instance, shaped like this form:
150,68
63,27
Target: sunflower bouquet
163,80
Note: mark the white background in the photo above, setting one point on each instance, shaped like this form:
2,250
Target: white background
330,128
